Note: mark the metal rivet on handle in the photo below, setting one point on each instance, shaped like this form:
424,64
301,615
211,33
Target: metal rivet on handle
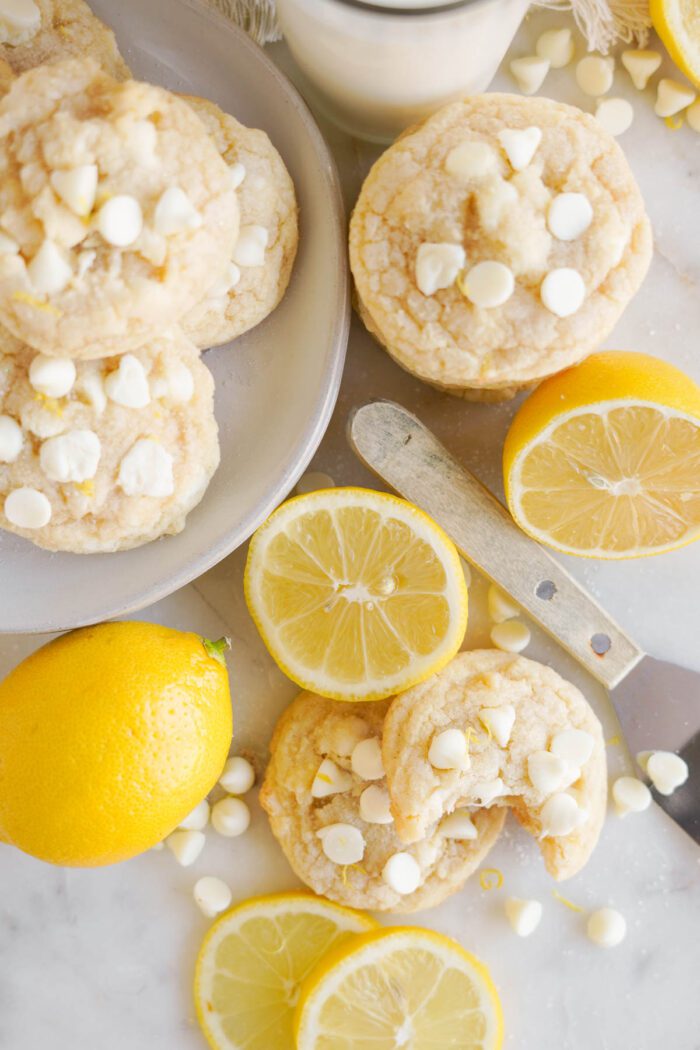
600,644
546,589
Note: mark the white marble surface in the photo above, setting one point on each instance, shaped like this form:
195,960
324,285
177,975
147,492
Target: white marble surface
103,959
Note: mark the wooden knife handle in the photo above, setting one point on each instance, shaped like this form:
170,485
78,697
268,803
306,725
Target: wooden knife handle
409,458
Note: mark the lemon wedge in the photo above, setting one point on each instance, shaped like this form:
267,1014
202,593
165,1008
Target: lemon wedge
603,460
357,594
253,960
401,987
678,24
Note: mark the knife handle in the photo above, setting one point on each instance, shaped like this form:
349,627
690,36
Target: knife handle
408,457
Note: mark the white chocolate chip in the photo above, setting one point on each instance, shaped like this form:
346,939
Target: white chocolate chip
238,776
630,796
314,481
90,384
48,271
460,826
520,145
237,173
211,895
128,384
574,746
230,817
511,636
175,213
8,246
498,721
402,874
501,606
560,815
186,846
375,805
485,791
330,779
569,215
77,187
563,291
488,284
672,97
366,759
615,115
529,73
594,74
548,773
85,261
27,508
147,470
52,376
226,283
198,819
692,115
666,771
120,220
557,45
71,456
471,160
641,66
19,21
448,750
642,759
523,915
11,439
177,384
437,266
250,246
606,927
342,843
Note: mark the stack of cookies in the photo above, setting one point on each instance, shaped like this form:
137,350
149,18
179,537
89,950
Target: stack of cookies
137,228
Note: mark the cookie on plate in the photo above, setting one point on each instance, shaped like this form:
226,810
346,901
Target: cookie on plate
105,455
496,730
498,243
264,254
118,214
325,794
39,31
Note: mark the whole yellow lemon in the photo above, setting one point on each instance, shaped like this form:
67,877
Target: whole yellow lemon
109,737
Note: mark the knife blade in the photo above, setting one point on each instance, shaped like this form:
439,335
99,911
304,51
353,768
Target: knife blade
658,703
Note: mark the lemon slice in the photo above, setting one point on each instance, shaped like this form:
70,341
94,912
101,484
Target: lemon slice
357,594
402,987
603,460
678,24
253,960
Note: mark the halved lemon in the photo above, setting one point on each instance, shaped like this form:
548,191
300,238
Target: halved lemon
678,24
401,987
253,961
357,594
603,460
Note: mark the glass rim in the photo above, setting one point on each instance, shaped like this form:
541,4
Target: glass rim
377,8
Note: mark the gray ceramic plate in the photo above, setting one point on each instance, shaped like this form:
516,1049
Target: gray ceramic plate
275,389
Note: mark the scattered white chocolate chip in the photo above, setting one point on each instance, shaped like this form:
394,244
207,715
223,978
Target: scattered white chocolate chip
237,173
19,21
77,187
250,246
574,746
641,66
498,721
615,115
485,791
511,636
330,779
120,220
238,776
128,384
471,160
91,385
569,215
11,439
375,806
488,284
52,376
8,246
594,74
230,817
672,97
692,115
48,271
198,819
557,45
547,772
27,508
342,843
560,815
313,481
667,771
529,73
520,145
211,895
630,796
501,606
402,873
175,213
366,759
147,470
523,915
71,456
563,291
448,750
177,384
186,846
437,266
226,283
460,826
606,927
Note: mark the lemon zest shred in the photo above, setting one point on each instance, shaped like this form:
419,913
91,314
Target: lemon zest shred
614,741
31,300
358,867
566,902
674,123
51,404
490,879
324,776
86,487
344,874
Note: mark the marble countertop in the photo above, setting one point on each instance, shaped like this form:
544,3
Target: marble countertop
104,959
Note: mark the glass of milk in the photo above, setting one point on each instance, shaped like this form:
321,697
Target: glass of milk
377,66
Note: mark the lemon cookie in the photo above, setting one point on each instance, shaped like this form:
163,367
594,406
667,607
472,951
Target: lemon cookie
264,254
104,455
33,32
325,793
117,211
497,243
496,730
